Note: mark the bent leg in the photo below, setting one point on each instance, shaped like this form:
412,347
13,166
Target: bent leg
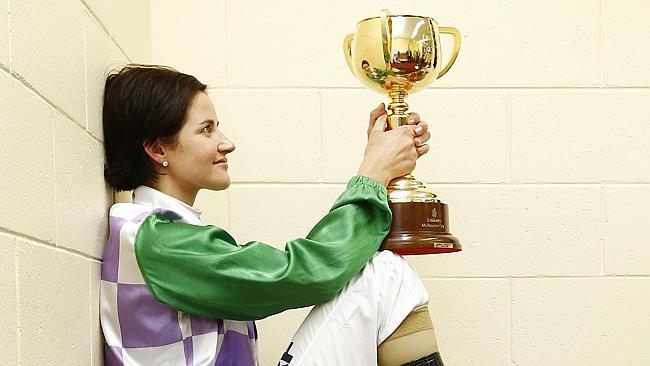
348,329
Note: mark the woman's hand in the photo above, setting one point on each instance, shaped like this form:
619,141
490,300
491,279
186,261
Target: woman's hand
422,134
389,154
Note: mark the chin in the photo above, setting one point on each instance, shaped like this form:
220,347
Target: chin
220,185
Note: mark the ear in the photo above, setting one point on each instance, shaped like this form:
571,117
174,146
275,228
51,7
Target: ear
155,150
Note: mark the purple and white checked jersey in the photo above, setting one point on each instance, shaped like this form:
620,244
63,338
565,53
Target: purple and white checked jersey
140,330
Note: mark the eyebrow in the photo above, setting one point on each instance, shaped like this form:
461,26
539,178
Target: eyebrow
208,121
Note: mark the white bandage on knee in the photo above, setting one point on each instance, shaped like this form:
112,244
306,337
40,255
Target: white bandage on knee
412,340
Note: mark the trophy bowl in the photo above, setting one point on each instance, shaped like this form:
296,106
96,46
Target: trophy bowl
396,55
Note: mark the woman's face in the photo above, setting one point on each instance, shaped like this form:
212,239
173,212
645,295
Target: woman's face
194,161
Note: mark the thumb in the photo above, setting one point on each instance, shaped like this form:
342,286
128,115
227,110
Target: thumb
380,124
378,111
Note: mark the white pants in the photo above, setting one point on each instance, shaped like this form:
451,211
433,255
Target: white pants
347,330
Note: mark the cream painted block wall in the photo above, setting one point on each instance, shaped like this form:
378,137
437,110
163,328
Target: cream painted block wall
543,148
54,56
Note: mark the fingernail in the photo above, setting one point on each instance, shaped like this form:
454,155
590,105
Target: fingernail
411,120
418,129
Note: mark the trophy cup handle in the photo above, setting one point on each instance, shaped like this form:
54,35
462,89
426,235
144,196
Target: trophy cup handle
454,54
347,50
386,36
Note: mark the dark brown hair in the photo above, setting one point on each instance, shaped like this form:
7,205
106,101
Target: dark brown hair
142,103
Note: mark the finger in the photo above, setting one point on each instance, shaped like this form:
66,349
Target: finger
375,113
414,118
423,138
423,149
421,128
380,124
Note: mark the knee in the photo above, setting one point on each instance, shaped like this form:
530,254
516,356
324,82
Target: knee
394,272
386,257
387,263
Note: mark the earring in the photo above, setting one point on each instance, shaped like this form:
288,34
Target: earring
165,163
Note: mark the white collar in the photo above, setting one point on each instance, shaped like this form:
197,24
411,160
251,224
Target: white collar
146,195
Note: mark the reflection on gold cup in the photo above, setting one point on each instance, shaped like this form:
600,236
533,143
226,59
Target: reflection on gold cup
397,55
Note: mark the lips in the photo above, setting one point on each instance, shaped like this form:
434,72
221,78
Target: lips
223,160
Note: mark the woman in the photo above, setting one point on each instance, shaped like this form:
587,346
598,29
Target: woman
176,292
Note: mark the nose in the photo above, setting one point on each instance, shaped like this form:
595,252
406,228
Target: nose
227,147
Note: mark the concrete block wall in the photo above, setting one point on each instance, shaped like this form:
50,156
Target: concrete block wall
542,123
53,199
544,144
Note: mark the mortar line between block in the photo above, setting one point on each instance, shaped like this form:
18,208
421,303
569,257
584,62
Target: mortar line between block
56,185
49,103
90,307
601,48
103,27
509,137
320,126
597,88
50,245
18,307
462,184
533,277
225,42
602,230
6,70
512,361
9,34
85,42
228,214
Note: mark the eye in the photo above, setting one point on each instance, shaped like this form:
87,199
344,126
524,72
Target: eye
207,128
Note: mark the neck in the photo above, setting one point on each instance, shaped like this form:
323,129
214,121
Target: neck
183,193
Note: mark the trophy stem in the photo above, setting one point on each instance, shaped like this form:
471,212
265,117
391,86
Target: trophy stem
397,106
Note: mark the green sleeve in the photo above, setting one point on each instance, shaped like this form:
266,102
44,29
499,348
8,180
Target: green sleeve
201,270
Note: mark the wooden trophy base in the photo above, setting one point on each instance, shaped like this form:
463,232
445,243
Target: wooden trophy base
420,226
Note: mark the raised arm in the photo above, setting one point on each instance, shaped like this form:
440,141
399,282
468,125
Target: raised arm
201,269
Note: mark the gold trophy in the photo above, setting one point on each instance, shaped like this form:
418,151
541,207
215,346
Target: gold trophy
397,55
